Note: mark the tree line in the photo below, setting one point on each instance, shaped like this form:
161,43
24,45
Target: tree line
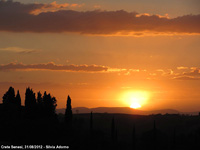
40,106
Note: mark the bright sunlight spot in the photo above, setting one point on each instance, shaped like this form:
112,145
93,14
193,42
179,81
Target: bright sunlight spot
135,99
135,105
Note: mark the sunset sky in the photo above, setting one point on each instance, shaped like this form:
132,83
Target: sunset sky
103,53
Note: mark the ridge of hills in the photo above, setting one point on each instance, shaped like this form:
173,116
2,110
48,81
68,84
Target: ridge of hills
123,110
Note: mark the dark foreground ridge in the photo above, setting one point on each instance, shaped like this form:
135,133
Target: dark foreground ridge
37,123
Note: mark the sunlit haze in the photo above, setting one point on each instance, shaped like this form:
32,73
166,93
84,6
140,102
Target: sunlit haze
135,99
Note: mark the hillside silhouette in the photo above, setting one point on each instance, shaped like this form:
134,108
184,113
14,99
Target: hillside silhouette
120,110
38,123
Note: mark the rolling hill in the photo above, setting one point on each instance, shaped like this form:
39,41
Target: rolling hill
120,110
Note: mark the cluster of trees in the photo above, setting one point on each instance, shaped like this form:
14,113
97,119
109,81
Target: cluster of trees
34,121
39,106
42,106
9,97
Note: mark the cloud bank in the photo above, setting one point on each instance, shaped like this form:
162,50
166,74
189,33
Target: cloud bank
19,17
190,74
53,67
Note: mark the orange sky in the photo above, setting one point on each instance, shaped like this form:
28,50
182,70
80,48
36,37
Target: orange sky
96,56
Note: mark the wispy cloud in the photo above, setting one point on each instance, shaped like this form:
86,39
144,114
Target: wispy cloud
53,67
182,68
157,74
195,72
186,78
18,17
18,50
188,74
34,8
52,7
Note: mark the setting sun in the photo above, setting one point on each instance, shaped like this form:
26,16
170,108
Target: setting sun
135,99
135,105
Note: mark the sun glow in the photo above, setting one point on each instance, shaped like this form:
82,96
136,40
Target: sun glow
135,105
135,99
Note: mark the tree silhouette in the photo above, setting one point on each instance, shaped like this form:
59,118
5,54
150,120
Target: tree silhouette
68,111
30,104
18,99
9,96
11,104
40,105
49,104
30,100
39,98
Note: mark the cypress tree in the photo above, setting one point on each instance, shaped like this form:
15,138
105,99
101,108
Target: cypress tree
39,98
9,102
68,111
49,104
18,99
30,100
30,104
9,96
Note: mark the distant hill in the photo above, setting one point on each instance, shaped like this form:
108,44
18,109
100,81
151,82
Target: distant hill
121,110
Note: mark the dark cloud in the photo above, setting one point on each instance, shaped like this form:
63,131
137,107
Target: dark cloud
18,17
53,67
16,7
